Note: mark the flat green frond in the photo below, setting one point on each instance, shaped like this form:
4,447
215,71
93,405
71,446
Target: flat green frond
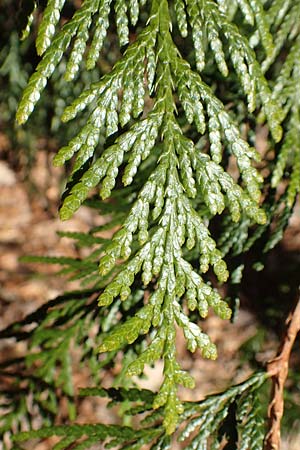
162,143
209,423
83,239
54,44
209,23
46,67
173,375
194,336
149,356
96,433
58,355
251,422
129,331
139,140
153,243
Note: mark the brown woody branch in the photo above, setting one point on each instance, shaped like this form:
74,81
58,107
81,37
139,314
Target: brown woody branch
277,369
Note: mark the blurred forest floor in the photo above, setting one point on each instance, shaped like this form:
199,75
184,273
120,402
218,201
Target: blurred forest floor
28,226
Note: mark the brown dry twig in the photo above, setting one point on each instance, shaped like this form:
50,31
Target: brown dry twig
278,370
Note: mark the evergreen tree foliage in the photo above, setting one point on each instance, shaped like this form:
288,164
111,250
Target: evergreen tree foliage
155,135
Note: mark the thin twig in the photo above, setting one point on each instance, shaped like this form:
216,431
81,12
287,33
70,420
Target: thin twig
278,370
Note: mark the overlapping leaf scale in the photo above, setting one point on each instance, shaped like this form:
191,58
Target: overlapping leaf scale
289,155
191,86
262,23
246,10
175,277
30,13
121,8
82,36
208,19
140,139
175,202
47,26
252,79
82,437
205,419
194,335
51,58
180,11
106,95
134,10
161,302
210,23
198,34
53,46
251,422
101,26
286,26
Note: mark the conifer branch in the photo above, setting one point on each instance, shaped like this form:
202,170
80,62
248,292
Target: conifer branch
155,139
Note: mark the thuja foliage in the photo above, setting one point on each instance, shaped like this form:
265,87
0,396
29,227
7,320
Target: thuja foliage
163,146
17,61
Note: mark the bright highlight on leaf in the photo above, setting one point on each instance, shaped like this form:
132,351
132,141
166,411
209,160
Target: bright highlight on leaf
156,128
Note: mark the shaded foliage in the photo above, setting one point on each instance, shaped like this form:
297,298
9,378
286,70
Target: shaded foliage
180,182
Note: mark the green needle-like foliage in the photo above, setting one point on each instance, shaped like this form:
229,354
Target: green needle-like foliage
240,403
284,90
156,137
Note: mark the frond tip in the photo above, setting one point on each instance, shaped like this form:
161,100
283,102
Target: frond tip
155,137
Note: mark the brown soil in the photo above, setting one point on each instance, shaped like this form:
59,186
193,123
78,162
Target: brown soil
28,225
